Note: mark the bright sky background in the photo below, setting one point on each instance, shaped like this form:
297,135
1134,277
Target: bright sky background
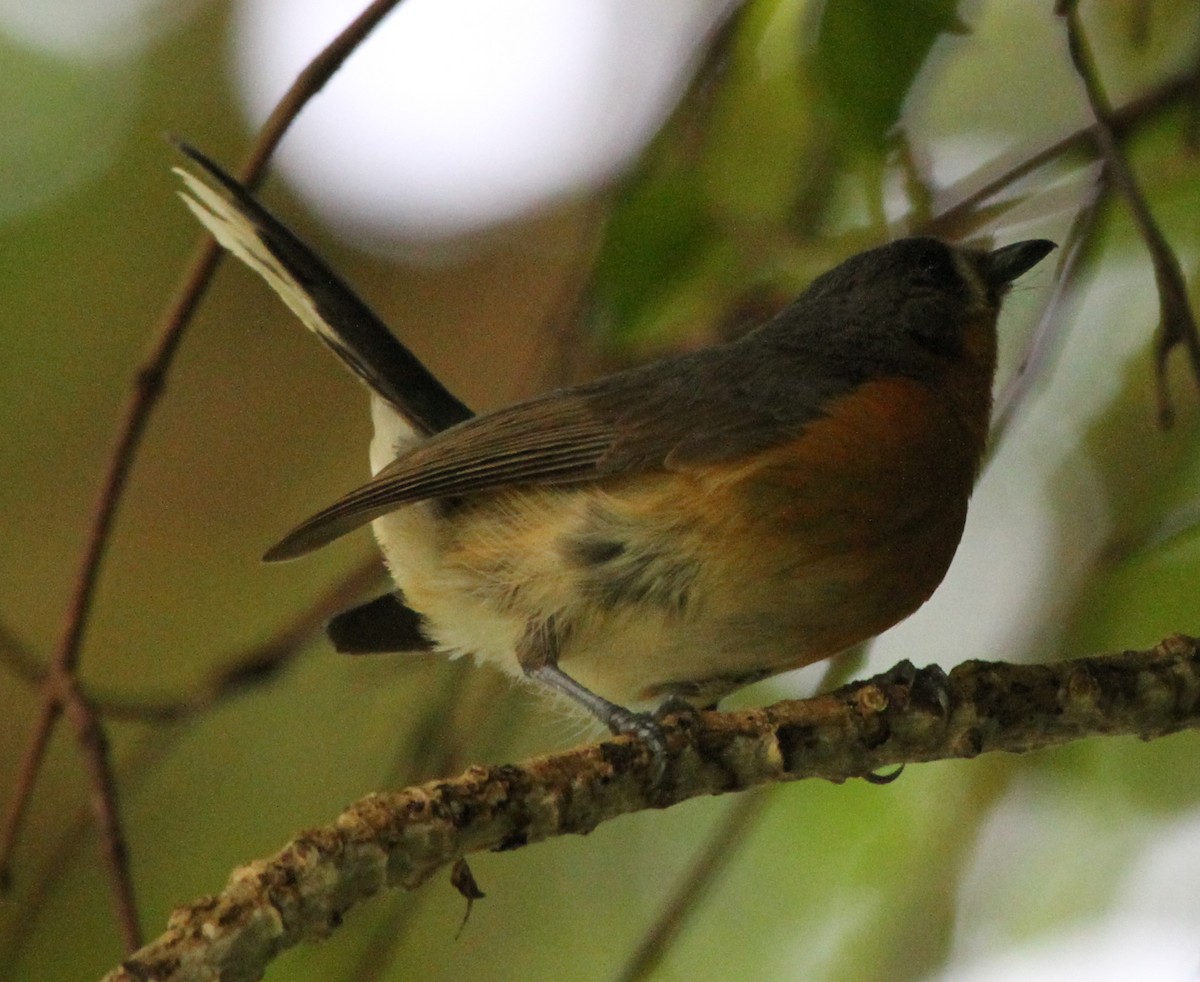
457,114
90,30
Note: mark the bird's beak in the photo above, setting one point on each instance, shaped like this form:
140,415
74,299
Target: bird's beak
1004,265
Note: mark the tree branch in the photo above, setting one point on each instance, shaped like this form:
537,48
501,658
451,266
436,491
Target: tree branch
907,715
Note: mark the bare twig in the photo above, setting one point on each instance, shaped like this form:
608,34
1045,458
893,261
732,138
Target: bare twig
60,692
957,203
102,781
904,716
26,777
308,83
1177,326
1044,343
466,703
239,671
706,870
250,666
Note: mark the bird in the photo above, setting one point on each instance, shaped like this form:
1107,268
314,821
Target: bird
668,534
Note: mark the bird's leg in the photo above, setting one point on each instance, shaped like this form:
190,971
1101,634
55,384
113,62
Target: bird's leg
538,656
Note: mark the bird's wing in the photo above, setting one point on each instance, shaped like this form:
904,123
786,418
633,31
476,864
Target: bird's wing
547,441
675,414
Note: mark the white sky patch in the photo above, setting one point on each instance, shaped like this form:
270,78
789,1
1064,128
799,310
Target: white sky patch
458,114
1147,932
90,30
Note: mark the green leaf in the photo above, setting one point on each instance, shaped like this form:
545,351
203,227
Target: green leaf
868,55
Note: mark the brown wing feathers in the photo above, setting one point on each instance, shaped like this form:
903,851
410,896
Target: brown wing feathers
629,423
549,441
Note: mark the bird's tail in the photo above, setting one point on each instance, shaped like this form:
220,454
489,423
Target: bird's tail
325,304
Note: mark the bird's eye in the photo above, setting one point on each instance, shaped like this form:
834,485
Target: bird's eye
933,266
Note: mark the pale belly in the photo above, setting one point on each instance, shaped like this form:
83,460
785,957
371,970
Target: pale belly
682,584
644,606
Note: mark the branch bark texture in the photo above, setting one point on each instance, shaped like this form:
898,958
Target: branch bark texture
907,715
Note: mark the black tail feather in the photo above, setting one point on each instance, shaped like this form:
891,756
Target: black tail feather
323,300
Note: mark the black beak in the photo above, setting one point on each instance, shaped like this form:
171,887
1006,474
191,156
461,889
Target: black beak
1005,265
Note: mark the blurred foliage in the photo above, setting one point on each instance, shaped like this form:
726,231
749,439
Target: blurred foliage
809,133
867,59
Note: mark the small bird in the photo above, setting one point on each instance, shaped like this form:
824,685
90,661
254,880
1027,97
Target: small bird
679,530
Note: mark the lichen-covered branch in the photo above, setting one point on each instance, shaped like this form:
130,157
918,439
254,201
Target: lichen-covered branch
907,715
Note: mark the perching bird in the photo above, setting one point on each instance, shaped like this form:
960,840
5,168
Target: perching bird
676,530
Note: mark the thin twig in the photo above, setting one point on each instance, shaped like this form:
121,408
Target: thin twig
308,83
957,202
918,184
1177,326
248,666
27,771
59,690
114,847
239,671
907,715
1043,345
704,874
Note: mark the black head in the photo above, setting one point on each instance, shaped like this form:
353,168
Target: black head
922,289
